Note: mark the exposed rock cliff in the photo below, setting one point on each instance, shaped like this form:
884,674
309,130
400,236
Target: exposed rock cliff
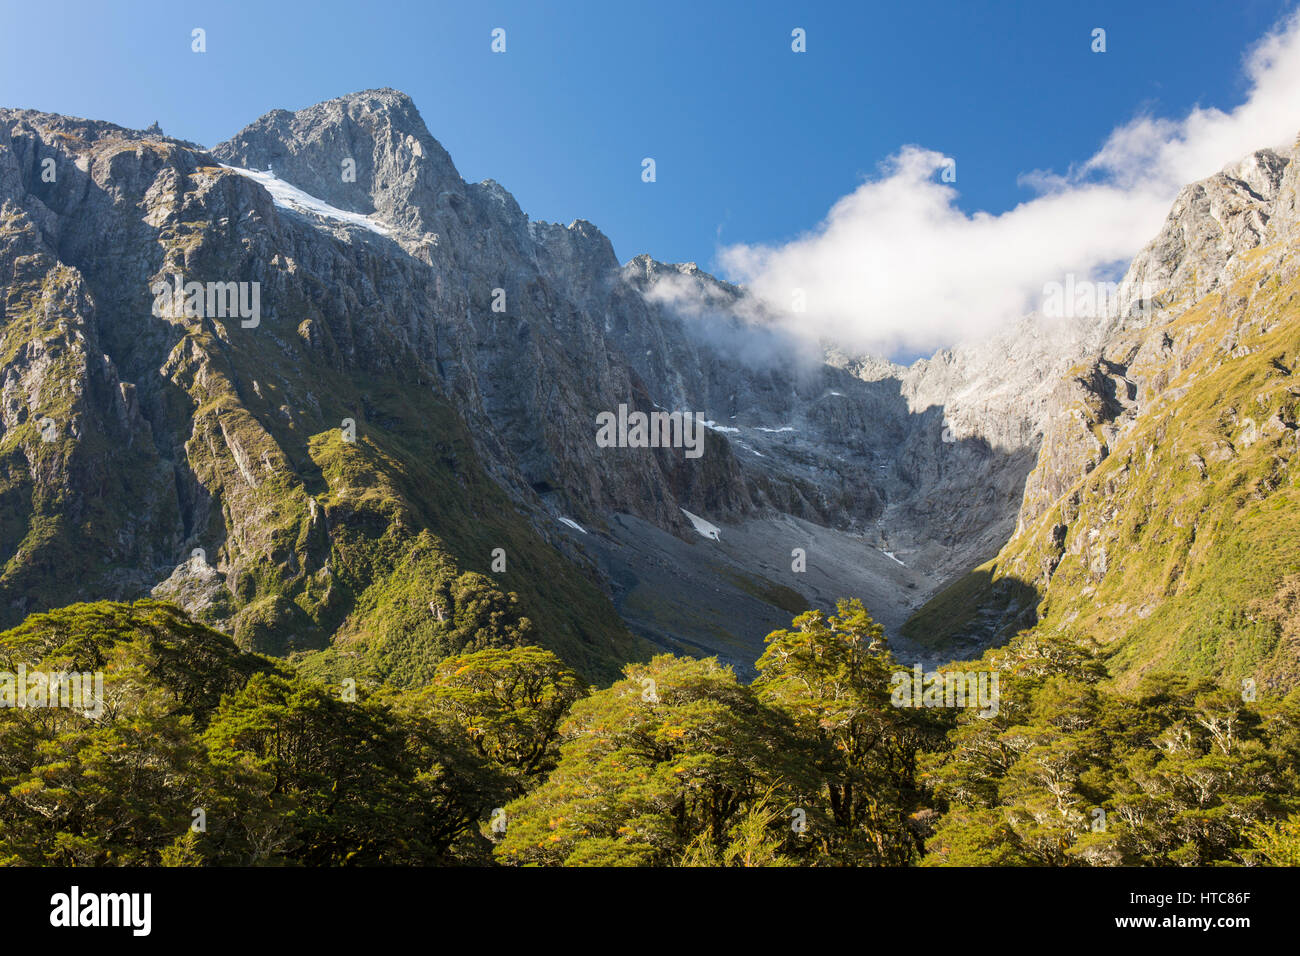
421,383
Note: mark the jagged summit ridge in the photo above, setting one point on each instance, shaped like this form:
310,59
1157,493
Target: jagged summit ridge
1210,226
362,152
370,152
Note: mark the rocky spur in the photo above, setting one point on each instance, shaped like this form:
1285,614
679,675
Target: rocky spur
212,300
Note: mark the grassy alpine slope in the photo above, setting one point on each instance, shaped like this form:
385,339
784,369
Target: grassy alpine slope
1178,549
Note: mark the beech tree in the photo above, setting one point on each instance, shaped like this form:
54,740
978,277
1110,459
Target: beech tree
831,676
673,755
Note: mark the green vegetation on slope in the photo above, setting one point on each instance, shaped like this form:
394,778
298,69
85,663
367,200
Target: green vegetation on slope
1170,551
235,449
203,754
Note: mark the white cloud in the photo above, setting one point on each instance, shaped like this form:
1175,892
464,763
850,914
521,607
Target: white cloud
897,266
738,327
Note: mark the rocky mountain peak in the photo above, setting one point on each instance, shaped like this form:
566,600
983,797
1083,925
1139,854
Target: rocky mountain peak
1210,226
368,152
371,153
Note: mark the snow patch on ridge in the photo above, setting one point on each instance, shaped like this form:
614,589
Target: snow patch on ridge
291,197
711,531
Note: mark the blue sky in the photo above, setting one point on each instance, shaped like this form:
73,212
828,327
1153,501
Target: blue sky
753,142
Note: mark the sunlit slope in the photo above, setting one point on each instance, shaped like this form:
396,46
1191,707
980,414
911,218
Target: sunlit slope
1180,548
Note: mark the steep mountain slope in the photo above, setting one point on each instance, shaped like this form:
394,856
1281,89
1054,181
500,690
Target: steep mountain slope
1161,518
471,349
855,449
396,457
672,334
207,460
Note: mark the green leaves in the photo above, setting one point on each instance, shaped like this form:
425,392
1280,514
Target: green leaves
832,677
204,755
509,703
670,758
1073,772
277,769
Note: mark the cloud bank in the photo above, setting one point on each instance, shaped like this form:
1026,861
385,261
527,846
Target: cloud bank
897,267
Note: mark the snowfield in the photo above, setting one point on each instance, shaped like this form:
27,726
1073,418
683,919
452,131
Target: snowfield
291,197
711,531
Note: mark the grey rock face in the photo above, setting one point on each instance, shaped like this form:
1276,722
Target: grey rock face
812,438
511,372
1204,244
529,330
169,432
1243,218
1284,221
1211,225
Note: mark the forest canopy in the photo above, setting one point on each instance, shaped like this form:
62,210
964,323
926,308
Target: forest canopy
205,754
